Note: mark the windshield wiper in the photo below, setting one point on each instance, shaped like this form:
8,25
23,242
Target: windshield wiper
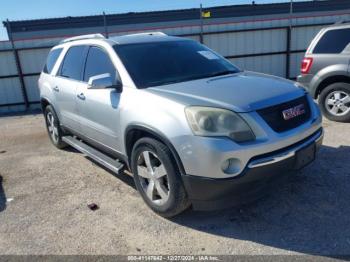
190,78
221,73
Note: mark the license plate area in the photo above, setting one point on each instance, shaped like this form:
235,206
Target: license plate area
305,156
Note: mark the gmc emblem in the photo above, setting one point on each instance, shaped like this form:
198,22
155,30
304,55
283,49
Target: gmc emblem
293,112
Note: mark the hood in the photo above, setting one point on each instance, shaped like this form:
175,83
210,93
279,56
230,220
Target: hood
240,92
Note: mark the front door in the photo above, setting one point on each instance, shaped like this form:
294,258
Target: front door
99,108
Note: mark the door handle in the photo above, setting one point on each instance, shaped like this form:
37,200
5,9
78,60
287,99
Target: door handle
56,89
81,96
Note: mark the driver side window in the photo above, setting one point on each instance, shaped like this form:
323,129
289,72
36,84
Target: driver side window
97,63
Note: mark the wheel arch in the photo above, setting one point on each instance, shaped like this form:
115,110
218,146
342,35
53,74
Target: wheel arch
331,80
44,102
136,131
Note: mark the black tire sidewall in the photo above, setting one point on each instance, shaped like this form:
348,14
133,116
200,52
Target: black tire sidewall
345,87
176,194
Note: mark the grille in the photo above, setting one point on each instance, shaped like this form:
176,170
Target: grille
274,117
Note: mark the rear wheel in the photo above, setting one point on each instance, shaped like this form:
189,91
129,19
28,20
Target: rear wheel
334,102
53,127
157,178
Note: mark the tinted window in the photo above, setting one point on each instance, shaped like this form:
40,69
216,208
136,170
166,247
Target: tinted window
333,42
51,60
161,63
97,63
73,62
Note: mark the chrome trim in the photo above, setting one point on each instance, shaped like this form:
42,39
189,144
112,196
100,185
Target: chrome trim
280,157
270,160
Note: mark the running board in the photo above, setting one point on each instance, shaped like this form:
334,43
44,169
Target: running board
112,164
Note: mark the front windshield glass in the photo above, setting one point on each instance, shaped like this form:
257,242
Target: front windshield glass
161,63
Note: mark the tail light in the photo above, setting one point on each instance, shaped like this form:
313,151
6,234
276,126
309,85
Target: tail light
306,65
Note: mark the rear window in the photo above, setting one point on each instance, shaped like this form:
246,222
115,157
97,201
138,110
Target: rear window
51,60
333,42
72,64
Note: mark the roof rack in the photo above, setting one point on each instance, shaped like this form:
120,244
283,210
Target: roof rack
147,33
81,37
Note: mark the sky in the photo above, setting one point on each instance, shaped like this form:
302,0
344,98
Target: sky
36,9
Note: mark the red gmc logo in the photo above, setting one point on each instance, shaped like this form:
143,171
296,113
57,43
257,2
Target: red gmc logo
293,112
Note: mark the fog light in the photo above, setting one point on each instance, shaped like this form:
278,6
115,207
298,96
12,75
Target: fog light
231,166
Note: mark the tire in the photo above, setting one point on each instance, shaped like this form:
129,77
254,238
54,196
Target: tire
161,188
334,102
54,130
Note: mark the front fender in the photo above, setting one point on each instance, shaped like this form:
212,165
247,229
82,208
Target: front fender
160,136
164,116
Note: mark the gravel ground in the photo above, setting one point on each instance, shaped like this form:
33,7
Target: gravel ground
45,192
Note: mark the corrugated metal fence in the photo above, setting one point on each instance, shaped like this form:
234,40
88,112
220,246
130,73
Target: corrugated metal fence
268,46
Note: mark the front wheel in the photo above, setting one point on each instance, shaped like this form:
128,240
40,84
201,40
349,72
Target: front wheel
157,178
334,102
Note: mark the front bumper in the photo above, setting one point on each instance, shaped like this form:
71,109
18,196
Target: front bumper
208,156
261,173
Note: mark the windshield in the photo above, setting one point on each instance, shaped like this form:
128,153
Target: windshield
161,63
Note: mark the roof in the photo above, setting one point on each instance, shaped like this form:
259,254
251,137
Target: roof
176,15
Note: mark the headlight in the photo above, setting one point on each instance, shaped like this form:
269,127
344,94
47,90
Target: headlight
208,121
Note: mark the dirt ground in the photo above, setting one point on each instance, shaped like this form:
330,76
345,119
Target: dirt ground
44,194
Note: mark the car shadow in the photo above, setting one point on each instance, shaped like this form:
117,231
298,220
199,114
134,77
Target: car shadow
2,196
309,214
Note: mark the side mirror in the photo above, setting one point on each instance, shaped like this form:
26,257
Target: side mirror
104,81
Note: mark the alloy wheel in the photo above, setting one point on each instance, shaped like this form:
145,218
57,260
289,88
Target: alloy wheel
153,177
338,103
53,130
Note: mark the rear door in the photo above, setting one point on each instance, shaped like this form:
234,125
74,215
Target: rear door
332,48
47,80
99,108
68,80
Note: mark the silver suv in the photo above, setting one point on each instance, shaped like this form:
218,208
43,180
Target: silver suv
193,128
325,71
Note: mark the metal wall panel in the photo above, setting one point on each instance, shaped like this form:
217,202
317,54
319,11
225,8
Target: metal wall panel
31,83
295,62
5,45
252,42
315,19
33,61
10,91
302,36
7,64
36,43
273,65
183,30
11,109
